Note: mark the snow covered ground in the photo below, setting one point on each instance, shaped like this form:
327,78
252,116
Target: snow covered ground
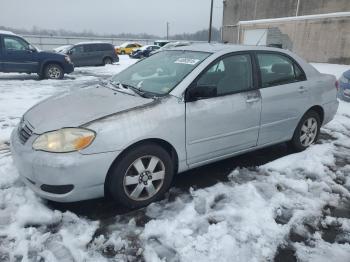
295,207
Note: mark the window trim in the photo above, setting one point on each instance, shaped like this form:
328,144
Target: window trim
258,71
254,68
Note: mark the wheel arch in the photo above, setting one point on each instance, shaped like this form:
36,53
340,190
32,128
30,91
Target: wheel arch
319,110
161,142
48,62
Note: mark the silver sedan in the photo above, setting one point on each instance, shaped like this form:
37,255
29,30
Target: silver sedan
171,112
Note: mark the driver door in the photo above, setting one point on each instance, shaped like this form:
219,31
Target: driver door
18,57
227,122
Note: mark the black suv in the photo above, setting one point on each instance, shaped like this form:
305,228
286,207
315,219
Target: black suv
17,55
91,54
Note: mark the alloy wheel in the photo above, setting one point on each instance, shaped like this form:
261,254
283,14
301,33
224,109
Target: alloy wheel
308,132
144,178
54,72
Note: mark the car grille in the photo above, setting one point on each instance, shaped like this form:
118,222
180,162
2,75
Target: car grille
25,131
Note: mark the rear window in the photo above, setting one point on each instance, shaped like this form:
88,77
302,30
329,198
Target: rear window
277,69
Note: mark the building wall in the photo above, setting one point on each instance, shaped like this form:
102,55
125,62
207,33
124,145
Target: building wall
319,40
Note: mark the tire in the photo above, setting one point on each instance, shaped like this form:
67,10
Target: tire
307,132
133,183
107,61
53,71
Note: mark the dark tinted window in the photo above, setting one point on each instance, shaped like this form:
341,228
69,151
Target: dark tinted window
230,74
278,69
91,48
104,47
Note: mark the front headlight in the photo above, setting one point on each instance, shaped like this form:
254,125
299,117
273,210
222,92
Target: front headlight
344,80
64,140
67,58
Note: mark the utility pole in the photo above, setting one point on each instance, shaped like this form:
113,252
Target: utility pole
211,20
167,30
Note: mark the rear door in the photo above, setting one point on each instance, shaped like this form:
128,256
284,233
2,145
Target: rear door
229,121
285,96
17,55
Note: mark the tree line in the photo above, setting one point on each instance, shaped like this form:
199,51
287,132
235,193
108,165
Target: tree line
201,35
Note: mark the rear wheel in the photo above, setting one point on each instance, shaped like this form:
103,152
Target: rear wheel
141,176
107,61
307,131
53,71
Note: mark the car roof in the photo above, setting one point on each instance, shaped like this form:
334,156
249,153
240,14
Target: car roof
214,48
3,32
92,42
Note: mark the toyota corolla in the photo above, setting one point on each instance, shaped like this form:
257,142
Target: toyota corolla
176,110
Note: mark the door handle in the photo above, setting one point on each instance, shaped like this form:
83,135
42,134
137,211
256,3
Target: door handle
302,89
253,100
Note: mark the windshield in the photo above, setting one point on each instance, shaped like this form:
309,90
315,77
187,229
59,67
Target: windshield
161,72
64,49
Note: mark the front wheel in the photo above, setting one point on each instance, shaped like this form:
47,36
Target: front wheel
141,176
307,131
53,71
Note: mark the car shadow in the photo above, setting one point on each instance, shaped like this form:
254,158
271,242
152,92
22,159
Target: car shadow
205,176
22,77
19,77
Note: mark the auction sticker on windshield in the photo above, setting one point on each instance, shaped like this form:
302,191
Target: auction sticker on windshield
187,61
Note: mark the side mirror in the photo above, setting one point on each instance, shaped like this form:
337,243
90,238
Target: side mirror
198,92
31,49
70,52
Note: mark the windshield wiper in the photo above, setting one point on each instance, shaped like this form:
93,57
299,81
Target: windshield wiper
118,87
134,89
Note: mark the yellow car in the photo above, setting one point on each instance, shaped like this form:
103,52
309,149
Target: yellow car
127,48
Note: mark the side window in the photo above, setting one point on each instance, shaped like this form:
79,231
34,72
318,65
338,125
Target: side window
15,44
78,49
90,48
229,75
278,70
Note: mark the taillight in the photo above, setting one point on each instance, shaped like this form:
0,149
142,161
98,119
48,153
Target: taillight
337,85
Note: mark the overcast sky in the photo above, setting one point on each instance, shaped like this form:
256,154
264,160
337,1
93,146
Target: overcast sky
111,16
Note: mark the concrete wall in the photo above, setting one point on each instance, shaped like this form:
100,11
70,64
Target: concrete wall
319,40
243,10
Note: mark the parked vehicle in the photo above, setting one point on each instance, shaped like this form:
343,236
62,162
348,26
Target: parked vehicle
175,44
127,48
176,110
171,45
144,51
344,86
19,56
91,54
161,43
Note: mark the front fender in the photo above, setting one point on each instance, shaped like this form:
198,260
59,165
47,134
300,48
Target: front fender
164,119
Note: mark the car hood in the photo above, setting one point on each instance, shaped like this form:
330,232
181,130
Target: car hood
51,54
80,107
